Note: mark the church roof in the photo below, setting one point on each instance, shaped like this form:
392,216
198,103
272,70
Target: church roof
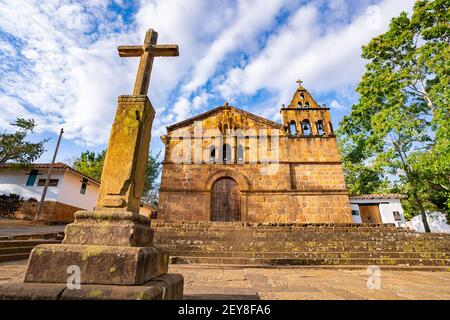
218,109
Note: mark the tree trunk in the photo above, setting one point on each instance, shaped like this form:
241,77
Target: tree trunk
421,209
412,181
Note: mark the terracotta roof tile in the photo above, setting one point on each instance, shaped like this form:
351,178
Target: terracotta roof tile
56,166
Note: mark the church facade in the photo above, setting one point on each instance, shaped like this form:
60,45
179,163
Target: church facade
230,165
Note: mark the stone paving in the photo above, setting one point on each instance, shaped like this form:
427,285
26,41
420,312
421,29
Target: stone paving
309,283
229,282
9,227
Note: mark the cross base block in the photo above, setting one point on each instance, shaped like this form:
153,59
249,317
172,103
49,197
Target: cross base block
165,287
53,263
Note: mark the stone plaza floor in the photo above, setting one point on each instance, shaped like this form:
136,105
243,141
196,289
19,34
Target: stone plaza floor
241,283
12,227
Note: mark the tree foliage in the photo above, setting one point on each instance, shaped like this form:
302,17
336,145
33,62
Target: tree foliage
399,129
151,186
9,203
91,164
15,148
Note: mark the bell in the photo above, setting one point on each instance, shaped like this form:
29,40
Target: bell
305,127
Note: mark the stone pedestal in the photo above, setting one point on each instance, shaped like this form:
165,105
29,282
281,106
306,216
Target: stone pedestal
112,247
108,248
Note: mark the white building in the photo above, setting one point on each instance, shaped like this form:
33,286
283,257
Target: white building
378,208
68,192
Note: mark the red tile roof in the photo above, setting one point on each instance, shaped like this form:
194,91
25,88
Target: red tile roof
56,166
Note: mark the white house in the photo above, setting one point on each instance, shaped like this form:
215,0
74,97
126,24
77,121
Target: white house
378,208
68,192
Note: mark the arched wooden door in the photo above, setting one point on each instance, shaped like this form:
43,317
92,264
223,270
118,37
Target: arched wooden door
225,200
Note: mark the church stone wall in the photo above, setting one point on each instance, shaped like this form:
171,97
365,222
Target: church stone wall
316,193
305,182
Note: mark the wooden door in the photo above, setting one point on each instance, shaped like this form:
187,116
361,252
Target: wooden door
370,213
225,200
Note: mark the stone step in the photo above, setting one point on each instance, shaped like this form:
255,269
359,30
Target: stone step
326,267
281,229
51,235
242,239
11,250
299,261
315,247
277,232
260,225
284,243
25,243
314,255
13,257
272,244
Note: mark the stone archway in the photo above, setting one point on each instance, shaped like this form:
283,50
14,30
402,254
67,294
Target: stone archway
225,200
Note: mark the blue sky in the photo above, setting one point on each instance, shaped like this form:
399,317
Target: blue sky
59,61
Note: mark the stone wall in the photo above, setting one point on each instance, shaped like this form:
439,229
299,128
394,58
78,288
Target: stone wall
51,211
297,192
296,178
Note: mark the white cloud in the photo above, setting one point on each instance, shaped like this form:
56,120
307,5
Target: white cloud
324,57
336,105
7,49
181,109
59,59
251,18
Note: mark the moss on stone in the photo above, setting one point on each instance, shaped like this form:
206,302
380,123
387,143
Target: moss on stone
91,251
95,293
142,296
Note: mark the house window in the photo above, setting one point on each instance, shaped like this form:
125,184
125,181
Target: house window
51,183
32,178
84,183
397,216
355,213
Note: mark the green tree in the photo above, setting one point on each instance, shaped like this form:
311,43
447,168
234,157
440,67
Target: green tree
151,186
90,164
15,148
402,114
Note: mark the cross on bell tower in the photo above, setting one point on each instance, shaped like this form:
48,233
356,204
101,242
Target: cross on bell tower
300,85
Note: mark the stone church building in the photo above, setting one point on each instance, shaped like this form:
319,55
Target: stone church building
230,165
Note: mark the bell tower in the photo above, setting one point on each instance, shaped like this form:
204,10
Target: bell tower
304,117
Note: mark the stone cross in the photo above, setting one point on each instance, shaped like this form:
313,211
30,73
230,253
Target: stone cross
113,244
300,82
147,52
